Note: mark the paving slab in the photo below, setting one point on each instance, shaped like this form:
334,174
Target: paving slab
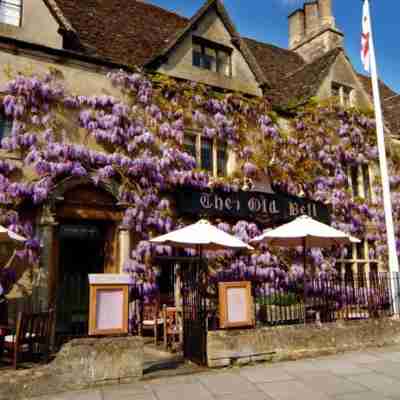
140,391
388,355
127,396
331,384
361,357
301,365
364,375
384,385
362,396
245,396
387,368
291,390
192,391
343,367
76,395
227,383
260,374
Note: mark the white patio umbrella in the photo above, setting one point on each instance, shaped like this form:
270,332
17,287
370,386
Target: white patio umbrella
201,235
10,237
306,232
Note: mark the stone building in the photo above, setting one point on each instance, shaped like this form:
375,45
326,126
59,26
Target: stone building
86,39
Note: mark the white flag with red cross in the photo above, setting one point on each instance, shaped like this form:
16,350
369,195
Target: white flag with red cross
366,37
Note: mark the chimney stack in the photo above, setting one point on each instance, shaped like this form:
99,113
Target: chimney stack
312,30
296,28
326,14
311,12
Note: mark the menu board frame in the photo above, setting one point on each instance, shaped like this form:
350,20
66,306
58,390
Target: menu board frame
93,310
244,288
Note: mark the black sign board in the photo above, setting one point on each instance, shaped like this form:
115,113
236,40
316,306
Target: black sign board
264,208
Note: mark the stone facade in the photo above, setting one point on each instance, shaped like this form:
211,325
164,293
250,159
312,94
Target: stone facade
44,33
211,27
311,35
80,364
294,342
312,30
318,44
342,73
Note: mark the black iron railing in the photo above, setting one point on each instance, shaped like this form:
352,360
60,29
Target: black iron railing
289,301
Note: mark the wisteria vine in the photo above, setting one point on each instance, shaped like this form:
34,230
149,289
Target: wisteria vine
136,140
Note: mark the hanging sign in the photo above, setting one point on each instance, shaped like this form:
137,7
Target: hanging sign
254,206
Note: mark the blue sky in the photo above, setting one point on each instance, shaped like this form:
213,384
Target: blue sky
266,20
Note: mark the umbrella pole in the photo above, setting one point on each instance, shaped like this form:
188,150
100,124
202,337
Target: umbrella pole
11,260
304,279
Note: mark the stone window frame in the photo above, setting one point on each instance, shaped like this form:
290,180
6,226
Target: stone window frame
5,126
363,189
363,175
207,46
345,93
217,144
357,263
11,12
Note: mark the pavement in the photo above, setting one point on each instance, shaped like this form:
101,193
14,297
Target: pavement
373,374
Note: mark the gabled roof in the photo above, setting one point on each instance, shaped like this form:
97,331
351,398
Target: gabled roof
133,32
390,103
300,85
59,15
236,39
391,110
385,90
124,31
275,62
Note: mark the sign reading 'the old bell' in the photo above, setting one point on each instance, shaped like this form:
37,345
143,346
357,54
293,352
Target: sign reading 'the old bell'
253,206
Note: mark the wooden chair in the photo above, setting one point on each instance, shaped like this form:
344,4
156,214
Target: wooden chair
4,331
172,331
31,338
151,319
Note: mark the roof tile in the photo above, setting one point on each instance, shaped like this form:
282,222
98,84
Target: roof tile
124,31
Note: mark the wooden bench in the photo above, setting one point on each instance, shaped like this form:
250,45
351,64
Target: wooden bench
31,338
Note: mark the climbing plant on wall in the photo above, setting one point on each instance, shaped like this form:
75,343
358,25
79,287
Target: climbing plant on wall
136,141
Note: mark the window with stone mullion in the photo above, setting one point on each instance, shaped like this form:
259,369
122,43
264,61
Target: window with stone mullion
5,127
11,12
343,93
189,145
222,159
210,154
359,179
211,58
207,154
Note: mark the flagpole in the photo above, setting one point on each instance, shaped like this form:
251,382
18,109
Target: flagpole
387,202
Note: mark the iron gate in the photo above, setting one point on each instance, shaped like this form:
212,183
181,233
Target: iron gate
194,286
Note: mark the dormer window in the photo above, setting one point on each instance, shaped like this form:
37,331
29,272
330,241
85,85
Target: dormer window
212,56
11,12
